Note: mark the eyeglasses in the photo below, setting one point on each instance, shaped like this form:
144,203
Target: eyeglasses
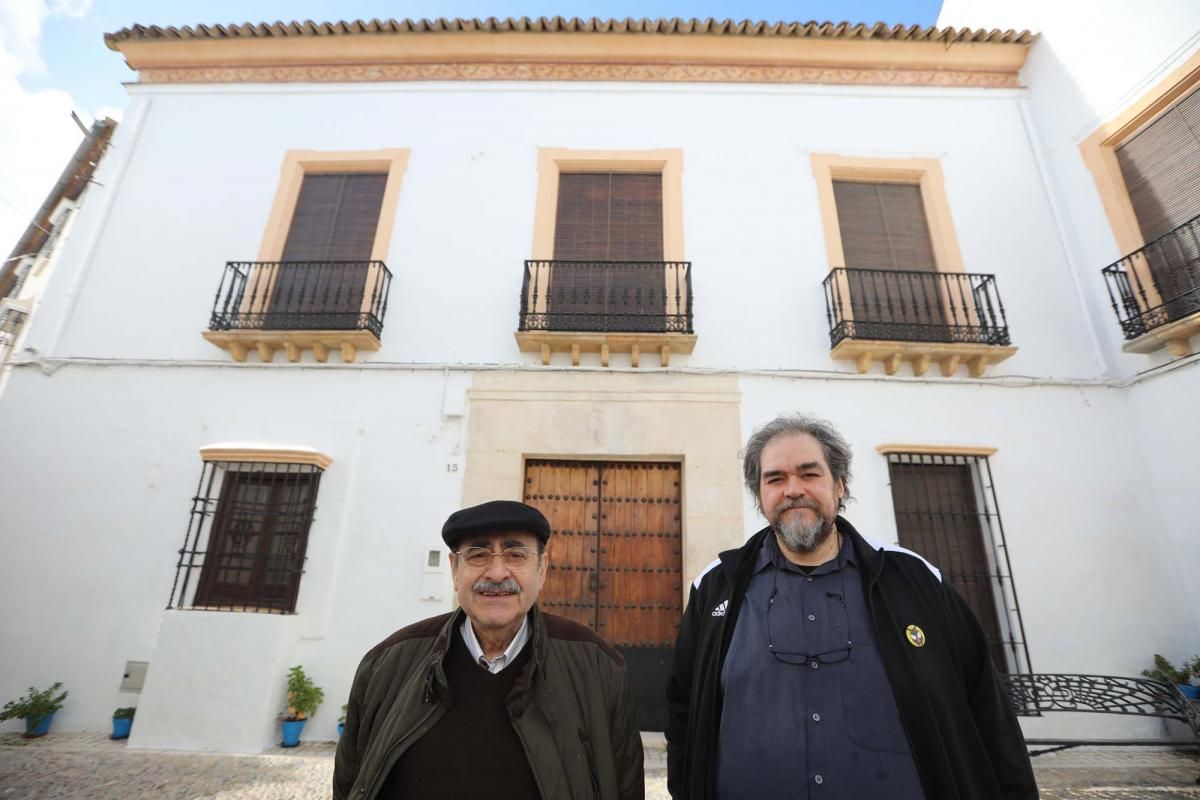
481,557
796,657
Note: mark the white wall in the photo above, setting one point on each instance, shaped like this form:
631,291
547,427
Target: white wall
90,534
106,455
201,168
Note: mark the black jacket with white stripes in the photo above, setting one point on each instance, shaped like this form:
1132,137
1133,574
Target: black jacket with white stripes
964,736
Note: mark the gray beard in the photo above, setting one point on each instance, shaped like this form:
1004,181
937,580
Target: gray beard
800,536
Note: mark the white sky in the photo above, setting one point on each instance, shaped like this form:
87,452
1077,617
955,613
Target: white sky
37,135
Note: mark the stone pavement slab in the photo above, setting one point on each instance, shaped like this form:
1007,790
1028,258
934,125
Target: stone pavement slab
89,765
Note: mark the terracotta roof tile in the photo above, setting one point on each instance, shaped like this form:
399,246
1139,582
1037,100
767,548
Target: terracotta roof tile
670,27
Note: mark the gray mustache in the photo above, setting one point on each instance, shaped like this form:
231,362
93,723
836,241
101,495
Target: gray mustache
506,585
799,502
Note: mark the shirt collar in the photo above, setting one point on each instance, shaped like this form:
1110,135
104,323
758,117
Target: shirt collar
772,555
504,659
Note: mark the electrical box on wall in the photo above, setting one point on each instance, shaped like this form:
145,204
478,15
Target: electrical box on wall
433,583
135,676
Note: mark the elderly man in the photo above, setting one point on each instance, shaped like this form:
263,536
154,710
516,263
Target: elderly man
812,662
496,699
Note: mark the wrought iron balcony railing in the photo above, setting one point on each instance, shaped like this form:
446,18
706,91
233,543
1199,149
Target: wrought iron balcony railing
909,306
1159,283
607,296
302,296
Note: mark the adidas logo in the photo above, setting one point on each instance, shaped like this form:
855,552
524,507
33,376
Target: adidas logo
719,611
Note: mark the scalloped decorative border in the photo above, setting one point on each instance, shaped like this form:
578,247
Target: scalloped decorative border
670,73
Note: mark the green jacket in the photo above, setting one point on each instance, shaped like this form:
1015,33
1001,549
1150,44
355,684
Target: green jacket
570,707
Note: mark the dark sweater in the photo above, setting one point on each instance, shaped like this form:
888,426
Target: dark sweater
473,750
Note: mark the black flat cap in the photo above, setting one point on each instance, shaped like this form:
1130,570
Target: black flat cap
495,517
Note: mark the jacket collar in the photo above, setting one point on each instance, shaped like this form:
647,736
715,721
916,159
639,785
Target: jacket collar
519,698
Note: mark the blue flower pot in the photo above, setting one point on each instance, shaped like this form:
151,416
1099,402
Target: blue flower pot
121,728
291,732
341,728
1189,691
39,726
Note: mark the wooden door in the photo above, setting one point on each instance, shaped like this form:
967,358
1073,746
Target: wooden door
615,561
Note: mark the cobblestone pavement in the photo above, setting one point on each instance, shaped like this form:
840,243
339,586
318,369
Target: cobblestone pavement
89,765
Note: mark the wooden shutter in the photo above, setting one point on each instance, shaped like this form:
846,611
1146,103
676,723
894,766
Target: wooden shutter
609,216
336,217
1161,167
937,516
883,226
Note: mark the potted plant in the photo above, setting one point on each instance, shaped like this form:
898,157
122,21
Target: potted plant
303,697
36,708
342,721
1165,671
122,722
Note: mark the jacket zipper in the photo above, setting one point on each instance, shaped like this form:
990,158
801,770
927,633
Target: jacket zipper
387,758
591,763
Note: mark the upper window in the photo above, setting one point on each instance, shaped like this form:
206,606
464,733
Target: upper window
883,226
609,216
1161,168
336,217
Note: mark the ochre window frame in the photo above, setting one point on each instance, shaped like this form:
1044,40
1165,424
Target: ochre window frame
1099,152
552,162
296,165
927,175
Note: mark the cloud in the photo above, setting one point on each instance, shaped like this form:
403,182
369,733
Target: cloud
37,135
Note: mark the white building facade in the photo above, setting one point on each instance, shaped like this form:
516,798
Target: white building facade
342,281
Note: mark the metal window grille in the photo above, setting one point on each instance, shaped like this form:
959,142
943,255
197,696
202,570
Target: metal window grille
248,531
11,321
946,510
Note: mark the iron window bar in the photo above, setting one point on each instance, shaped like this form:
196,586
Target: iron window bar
934,515
914,306
1165,271
607,296
244,549
302,295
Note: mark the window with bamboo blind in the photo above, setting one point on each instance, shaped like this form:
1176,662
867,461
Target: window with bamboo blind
609,216
883,226
884,230
605,217
1161,167
326,255
336,217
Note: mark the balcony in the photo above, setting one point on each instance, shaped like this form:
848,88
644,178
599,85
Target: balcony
1155,292
267,306
891,316
606,307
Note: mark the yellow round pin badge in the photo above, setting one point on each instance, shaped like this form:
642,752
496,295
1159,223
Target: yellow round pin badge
916,636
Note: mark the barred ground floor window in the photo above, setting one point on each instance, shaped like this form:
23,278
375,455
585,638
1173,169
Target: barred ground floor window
248,533
946,510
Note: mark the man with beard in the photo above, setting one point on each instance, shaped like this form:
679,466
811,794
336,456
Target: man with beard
812,662
496,699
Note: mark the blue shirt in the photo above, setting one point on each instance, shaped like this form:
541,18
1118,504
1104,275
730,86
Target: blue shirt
824,724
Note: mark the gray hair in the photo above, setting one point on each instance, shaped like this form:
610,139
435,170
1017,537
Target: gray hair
835,448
